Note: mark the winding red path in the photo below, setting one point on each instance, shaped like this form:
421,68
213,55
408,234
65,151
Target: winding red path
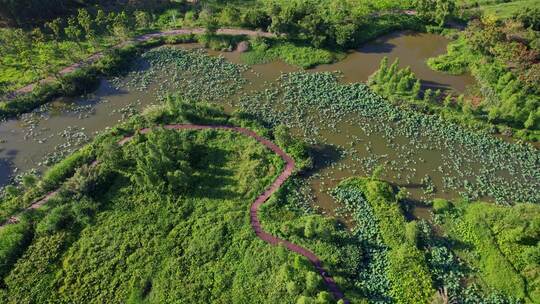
254,209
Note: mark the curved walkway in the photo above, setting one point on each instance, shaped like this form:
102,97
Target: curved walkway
254,209
96,56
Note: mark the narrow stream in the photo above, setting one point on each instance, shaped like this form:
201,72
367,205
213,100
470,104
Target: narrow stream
43,136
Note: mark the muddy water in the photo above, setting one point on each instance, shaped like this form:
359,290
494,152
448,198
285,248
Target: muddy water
67,123
62,126
412,49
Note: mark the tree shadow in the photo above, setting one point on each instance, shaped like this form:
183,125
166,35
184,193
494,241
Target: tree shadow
6,166
433,85
323,156
212,180
377,48
409,205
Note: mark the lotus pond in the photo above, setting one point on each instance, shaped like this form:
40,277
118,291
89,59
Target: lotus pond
352,130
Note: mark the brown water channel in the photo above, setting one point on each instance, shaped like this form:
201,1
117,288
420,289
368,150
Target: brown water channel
64,125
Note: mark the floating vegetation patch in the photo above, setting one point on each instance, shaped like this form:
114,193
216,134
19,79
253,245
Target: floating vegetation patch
74,138
476,165
193,73
372,278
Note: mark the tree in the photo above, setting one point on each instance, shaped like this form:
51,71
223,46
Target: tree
121,26
101,21
403,84
85,21
310,228
313,281
56,28
324,297
292,288
229,16
314,29
448,100
256,19
142,19
435,11
383,70
532,119
429,96
210,23
304,300
73,31
37,36
417,88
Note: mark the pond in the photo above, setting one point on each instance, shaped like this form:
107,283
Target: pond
346,146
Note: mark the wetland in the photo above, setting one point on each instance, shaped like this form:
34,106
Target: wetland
352,131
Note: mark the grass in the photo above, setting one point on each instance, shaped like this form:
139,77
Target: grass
499,242
116,240
500,8
300,55
18,71
509,9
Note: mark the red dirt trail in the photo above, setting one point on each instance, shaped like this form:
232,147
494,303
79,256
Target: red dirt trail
254,209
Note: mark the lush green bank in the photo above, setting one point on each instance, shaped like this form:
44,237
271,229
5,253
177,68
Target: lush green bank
503,57
465,253
184,198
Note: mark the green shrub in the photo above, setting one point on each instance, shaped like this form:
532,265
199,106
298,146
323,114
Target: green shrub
441,205
13,241
304,56
66,168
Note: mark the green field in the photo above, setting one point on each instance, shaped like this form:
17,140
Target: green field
165,216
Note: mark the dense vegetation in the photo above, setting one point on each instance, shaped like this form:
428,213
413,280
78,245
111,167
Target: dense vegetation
28,55
28,12
165,217
465,258
503,55
497,242
397,269
167,201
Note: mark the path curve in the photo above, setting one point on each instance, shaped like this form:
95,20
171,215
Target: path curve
255,206
96,56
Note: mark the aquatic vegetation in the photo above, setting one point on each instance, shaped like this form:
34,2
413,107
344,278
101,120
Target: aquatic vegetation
475,164
402,274
455,270
372,278
74,138
194,73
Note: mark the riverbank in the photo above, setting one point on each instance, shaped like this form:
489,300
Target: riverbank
81,77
